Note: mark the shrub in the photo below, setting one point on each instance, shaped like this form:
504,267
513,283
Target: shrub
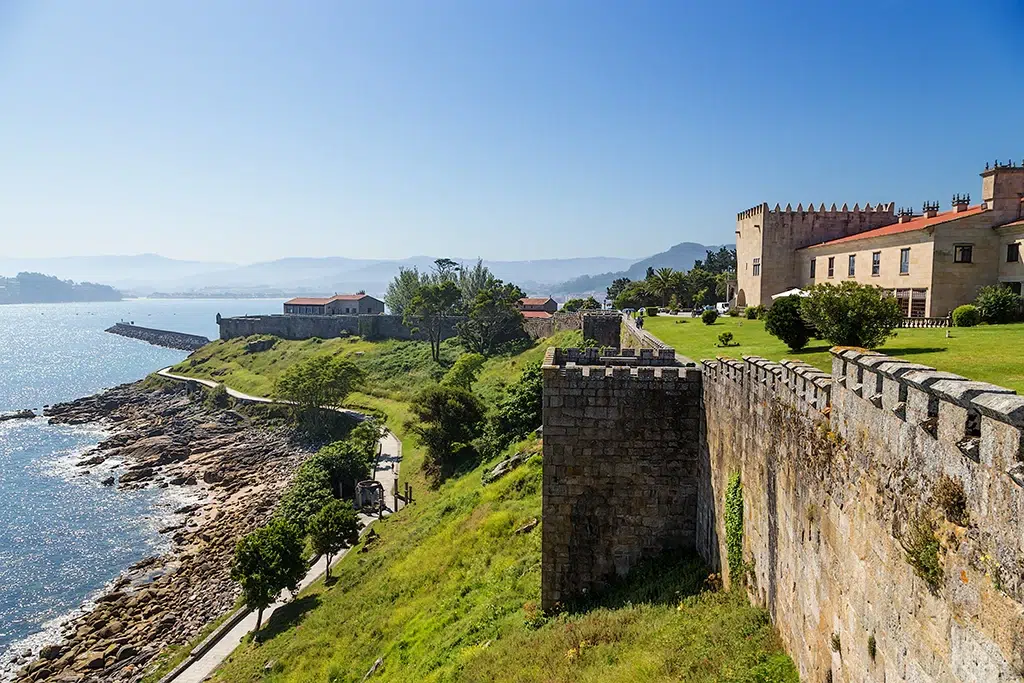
709,316
837,644
651,311
967,315
218,398
785,321
465,371
852,314
734,312
949,496
308,493
998,304
922,548
725,339
517,414
872,647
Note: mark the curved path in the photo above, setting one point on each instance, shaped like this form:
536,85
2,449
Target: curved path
209,654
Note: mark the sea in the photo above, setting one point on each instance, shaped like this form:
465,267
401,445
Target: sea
64,537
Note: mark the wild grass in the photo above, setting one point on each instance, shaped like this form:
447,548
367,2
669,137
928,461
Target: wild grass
986,352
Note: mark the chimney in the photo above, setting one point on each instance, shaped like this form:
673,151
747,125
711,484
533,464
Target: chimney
961,202
905,214
930,209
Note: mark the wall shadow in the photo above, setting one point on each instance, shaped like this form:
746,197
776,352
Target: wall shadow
287,616
662,580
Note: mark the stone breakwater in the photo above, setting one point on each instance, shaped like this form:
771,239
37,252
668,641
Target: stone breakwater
165,338
233,466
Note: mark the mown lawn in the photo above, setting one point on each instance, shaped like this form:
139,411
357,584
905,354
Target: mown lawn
989,353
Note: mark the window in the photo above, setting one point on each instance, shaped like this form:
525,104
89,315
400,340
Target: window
852,270
757,266
1012,253
831,266
962,253
876,263
813,264
918,298
905,261
1015,287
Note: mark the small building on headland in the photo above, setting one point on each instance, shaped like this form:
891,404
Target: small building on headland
339,304
538,307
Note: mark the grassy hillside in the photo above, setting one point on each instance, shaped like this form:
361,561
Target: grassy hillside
981,353
450,589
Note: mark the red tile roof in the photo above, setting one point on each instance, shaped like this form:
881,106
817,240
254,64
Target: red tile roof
320,301
536,314
919,223
534,301
306,302
1015,224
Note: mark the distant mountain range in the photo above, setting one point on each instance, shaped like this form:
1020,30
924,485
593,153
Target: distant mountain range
147,274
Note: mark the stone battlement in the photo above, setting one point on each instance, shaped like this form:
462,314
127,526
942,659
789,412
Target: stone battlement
761,209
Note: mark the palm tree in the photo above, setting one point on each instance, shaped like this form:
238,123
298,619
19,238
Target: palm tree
664,282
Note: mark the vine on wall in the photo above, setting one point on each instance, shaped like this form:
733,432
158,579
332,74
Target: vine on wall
734,526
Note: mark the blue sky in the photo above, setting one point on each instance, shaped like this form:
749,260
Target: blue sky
245,131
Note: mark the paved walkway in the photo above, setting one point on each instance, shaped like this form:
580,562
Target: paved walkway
195,670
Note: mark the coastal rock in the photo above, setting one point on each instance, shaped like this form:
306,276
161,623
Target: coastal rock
109,481
50,652
26,414
137,475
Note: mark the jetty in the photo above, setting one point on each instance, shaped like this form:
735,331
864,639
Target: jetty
166,338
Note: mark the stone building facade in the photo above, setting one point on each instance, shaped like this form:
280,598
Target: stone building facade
932,262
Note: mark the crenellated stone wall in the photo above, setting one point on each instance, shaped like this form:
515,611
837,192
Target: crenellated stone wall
835,468
620,464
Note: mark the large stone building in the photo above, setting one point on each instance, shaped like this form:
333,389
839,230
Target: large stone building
339,304
932,262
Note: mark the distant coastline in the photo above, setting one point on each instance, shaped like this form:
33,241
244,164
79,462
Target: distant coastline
36,288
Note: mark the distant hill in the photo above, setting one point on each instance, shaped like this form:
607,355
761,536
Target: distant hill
678,257
36,288
120,271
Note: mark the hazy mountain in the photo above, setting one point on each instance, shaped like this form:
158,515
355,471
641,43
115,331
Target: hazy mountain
678,257
119,271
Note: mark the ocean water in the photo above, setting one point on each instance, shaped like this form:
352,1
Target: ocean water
64,536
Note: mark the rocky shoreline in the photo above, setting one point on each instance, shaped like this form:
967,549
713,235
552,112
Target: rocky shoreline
234,467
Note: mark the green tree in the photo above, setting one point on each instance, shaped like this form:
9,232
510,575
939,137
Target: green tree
663,283
446,270
317,383
266,562
472,281
518,412
403,288
493,318
464,372
635,295
616,287
998,304
448,419
309,491
851,314
430,309
345,463
784,321
333,529
716,262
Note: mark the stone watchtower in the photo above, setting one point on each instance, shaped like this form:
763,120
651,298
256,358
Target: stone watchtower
767,239
621,443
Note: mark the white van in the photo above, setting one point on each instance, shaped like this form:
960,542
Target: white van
722,307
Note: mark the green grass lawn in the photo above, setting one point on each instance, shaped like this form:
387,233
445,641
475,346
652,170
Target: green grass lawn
988,353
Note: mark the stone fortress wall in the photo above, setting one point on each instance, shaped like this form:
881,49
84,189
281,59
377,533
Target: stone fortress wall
371,326
834,467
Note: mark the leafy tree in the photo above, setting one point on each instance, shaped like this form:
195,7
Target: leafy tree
518,412
403,288
636,295
430,308
616,287
474,280
588,304
493,318
698,287
446,270
464,372
309,491
266,562
448,419
333,529
784,321
366,435
716,262
663,283
340,465
852,314
998,304
318,383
